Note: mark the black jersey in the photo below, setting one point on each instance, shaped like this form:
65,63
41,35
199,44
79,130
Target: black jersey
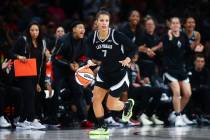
24,47
190,38
199,79
68,50
136,36
150,41
174,51
114,48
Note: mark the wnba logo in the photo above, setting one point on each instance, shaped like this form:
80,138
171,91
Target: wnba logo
88,76
84,76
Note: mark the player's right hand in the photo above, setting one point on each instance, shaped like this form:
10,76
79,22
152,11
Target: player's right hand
126,62
89,64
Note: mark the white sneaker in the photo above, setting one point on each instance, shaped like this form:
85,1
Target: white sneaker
187,120
144,120
172,117
156,121
111,122
4,123
179,121
164,98
37,125
23,125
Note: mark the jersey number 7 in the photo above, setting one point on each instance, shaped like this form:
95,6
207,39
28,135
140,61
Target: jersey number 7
105,52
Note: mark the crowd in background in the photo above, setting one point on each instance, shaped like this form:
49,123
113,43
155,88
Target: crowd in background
145,26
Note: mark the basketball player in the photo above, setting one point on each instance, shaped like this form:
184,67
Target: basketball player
66,59
175,46
132,28
113,51
31,45
193,35
194,38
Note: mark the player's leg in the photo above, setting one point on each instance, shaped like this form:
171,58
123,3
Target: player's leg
113,102
176,96
186,93
172,79
98,97
175,87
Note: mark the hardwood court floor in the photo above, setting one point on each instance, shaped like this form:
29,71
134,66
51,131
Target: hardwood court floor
130,133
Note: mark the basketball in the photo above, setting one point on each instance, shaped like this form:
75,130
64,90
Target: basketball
84,76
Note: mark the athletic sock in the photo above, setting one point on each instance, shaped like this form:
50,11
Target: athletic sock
101,122
126,106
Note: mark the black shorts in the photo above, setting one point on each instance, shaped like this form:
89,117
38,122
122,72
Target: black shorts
147,68
175,76
115,82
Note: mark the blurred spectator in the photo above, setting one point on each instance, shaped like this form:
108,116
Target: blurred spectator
149,52
67,57
147,98
51,104
193,35
31,46
10,94
60,32
175,46
4,123
194,39
200,81
132,29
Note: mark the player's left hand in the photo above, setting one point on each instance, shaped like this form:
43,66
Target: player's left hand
126,62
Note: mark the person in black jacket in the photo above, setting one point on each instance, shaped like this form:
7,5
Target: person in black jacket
68,56
10,94
200,81
149,52
32,45
133,29
51,105
175,48
3,121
